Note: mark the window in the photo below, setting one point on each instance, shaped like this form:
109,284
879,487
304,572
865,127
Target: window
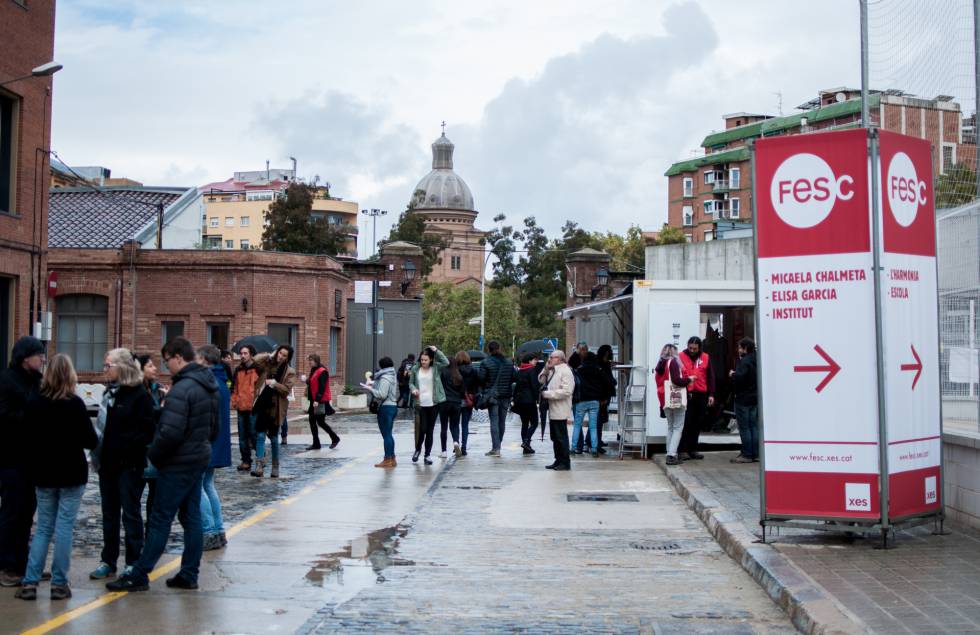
709,207
8,122
218,334
243,243
735,178
332,354
244,221
456,263
709,177
169,329
214,242
285,334
338,304
949,157
214,221
82,329
687,216
229,221
688,186
261,195
708,235
229,244
734,207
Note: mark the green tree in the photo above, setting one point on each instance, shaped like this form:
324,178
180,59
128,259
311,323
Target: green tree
448,308
503,245
293,228
411,228
670,235
628,251
957,186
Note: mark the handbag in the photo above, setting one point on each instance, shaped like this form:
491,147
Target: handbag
469,400
486,399
374,405
675,397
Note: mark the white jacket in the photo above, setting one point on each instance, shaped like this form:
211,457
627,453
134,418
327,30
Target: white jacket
560,384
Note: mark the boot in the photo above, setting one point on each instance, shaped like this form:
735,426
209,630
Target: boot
274,472
384,462
259,469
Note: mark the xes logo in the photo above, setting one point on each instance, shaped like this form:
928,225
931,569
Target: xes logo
804,190
904,189
857,497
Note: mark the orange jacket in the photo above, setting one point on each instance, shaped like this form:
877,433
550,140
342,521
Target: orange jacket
243,394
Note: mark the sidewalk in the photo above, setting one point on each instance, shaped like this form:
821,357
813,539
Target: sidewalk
926,584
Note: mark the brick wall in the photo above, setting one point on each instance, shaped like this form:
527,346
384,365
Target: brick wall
27,34
961,479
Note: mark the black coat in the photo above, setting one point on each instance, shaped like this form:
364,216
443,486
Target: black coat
594,384
527,388
129,428
745,381
16,385
59,433
454,394
497,376
189,421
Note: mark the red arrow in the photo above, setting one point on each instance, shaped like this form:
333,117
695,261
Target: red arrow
831,368
917,367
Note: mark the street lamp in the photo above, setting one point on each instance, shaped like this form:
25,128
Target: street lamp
602,281
44,70
374,213
408,274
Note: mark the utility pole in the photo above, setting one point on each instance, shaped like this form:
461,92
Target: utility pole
864,63
374,213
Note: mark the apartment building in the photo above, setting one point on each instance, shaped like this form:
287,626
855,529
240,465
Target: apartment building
236,210
709,196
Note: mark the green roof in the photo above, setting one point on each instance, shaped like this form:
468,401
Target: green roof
736,154
778,124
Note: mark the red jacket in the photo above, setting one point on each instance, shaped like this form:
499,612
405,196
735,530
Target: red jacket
700,370
319,385
660,375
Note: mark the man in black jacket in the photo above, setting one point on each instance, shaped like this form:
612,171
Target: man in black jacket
181,451
497,379
746,401
17,501
593,387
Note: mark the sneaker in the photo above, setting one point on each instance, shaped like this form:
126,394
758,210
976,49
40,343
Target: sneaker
528,451
561,468
671,460
428,461
458,451
315,446
60,592
127,583
102,572
180,582
244,467
415,457
10,579
595,454
27,592
211,542
740,459
443,454
493,453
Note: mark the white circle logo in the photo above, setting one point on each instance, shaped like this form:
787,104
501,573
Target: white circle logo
904,189
804,190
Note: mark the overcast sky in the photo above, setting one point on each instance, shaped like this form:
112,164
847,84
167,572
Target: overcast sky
558,110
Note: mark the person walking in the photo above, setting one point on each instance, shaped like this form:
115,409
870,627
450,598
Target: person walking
244,382
696,364
127,430
557,386
212,522
59,433
672,391
497,379
427,389
404,375
471,386
746,401
181,451
17,496
527,393
384,389
157,392
272,387
593,386
318,394
450,410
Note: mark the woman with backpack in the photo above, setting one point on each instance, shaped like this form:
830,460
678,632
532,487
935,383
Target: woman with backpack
671,388
527,391
385,393
427,389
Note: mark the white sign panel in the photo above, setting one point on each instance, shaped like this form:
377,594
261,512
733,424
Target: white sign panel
363,292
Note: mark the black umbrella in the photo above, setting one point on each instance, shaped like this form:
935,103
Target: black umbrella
533,346
476,356
262,343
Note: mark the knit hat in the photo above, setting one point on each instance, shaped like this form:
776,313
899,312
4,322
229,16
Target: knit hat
25,347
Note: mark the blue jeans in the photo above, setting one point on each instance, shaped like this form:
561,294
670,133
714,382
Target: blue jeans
464,419
211,521
56,511
386,423
748,429
498,422
178,494
246,435
260,446
583,408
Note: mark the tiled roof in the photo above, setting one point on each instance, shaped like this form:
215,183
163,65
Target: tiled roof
81,217
728,156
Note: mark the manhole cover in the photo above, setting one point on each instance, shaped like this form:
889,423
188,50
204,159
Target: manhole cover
602,497
655,546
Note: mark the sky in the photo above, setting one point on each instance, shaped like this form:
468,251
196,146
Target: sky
563,111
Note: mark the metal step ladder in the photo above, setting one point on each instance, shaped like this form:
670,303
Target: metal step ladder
632,413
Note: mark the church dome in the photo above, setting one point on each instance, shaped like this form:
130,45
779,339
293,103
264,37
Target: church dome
442,188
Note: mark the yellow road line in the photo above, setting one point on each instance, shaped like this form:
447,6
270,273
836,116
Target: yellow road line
170,565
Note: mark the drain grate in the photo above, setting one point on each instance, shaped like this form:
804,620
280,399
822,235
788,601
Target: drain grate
602,497
655,546
470,487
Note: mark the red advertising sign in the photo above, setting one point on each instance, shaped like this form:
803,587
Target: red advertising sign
815,286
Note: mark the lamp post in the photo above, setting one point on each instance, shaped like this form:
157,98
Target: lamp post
44,70
408,274
374,213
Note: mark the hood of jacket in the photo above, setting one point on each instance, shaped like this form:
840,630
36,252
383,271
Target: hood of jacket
201,374
384,371
219,373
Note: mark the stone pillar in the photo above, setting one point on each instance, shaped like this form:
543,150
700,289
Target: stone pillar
396,258
581,268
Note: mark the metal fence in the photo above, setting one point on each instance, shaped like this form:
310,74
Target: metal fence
959,315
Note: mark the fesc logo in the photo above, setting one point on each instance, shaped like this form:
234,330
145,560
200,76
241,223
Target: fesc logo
904,189
805,188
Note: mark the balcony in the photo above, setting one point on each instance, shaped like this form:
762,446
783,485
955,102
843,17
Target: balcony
720,185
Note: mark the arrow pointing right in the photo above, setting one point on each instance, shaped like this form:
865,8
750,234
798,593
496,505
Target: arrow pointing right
917,367
832,368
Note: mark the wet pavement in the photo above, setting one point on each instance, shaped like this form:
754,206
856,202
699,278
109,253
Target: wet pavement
470,545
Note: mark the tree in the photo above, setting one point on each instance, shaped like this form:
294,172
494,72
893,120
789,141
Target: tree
628,252
670,235
503,245
293,228
957,186
448,309
410,228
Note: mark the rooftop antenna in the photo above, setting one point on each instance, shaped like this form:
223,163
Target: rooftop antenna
293,159
779,103
444,128
267,170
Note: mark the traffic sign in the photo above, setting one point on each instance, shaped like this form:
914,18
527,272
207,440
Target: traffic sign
552,345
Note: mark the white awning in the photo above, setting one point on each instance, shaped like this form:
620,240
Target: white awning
595,308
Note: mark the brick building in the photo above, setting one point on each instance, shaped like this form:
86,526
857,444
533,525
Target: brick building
27,33
709,196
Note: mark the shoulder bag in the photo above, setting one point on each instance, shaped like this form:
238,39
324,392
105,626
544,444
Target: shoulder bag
675,397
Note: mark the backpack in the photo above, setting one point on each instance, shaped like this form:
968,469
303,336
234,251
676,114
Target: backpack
577,393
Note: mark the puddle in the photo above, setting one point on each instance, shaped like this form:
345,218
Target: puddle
361,564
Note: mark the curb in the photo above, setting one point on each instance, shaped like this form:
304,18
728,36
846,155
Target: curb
811,609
